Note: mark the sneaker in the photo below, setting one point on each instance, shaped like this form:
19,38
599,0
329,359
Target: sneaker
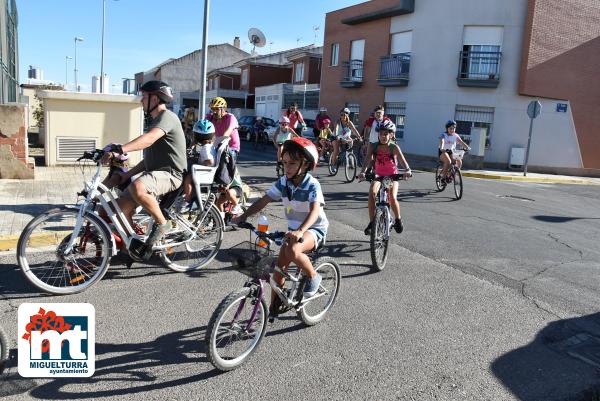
398,225
368,229
184,208
312,286
157,233
237,210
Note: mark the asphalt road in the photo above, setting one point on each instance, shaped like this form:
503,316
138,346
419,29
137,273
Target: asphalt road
492,297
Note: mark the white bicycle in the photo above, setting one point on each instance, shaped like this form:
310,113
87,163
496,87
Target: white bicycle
67,250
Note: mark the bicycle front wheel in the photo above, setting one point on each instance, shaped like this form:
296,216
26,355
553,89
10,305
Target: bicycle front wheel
200,250
439,182
379,241
350,167
3,350
458,184
333,169
45,264
231,334
313,311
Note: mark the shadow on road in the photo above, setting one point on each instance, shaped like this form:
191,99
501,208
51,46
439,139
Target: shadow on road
131,368
551,367
561,219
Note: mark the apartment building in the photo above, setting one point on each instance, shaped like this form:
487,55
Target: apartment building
9,52
480,62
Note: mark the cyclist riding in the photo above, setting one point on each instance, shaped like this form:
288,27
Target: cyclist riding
225,124
296,120
283,133
448,141
385,155
163,164
303,203
344,129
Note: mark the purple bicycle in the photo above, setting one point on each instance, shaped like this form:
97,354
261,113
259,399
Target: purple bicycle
239,323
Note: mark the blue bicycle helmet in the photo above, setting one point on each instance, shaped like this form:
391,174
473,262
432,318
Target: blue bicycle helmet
450,123
204,130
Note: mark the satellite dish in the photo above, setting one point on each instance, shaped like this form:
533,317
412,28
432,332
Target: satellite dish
256,37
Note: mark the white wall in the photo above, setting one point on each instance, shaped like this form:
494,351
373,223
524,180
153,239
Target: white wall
432,93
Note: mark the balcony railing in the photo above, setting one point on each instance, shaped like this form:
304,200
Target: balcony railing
394,69
352,74
479,69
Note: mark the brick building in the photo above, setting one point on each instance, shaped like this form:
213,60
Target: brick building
479,62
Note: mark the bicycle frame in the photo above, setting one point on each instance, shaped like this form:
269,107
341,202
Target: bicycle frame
95,192
289,299
384,205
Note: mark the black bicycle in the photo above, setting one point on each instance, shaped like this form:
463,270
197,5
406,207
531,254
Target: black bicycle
347,159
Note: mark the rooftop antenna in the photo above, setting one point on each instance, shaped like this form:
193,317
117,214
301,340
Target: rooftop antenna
298,41
271,47
257,38
316,28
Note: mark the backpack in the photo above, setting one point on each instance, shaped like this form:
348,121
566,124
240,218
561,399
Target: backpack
225,167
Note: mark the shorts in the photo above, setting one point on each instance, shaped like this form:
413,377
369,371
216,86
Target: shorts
318,235
157,183
447,151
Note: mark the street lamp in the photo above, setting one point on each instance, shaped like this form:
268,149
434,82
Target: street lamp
77,39
67,58
102,51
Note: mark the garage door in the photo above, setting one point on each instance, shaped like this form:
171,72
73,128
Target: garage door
273,111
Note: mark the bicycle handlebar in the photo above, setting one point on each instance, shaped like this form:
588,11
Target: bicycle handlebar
395,177
94,155
276,236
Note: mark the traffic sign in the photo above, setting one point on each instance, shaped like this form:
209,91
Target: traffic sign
534,109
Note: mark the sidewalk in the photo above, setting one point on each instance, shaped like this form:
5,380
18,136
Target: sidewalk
426,165
21,200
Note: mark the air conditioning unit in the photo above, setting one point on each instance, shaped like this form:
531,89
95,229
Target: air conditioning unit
517,157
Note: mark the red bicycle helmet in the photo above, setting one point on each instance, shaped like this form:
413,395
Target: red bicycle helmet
305,145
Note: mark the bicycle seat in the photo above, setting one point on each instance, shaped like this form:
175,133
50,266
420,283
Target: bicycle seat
168,199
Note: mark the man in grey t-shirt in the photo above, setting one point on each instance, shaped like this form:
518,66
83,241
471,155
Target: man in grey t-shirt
163,164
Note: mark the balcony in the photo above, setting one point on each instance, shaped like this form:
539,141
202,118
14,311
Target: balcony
394,69
352,74
479,69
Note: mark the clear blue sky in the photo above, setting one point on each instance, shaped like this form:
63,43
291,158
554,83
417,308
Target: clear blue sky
139,34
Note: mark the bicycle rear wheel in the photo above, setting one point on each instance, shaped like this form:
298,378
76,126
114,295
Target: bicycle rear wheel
41,256
350,167
379,244
230,335
458,184
439,181
319,304
3,350
202,248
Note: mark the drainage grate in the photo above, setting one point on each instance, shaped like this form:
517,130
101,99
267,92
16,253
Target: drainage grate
521,198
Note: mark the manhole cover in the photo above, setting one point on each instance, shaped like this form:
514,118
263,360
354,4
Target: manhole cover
521,198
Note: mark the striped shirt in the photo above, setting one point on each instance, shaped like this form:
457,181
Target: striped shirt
297,200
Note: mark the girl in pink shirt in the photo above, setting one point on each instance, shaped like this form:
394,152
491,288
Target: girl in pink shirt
385,155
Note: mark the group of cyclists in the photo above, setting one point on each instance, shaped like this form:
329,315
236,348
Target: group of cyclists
164,167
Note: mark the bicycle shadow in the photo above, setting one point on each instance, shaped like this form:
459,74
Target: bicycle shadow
422,196
552,367
130,368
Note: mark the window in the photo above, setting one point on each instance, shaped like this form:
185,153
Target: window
335,54
396,111
245,77
354,110
299,69
481,52
468,117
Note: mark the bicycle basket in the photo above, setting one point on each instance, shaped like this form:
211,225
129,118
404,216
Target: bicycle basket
251,259
458,154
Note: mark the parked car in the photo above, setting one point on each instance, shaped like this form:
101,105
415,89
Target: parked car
246,126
